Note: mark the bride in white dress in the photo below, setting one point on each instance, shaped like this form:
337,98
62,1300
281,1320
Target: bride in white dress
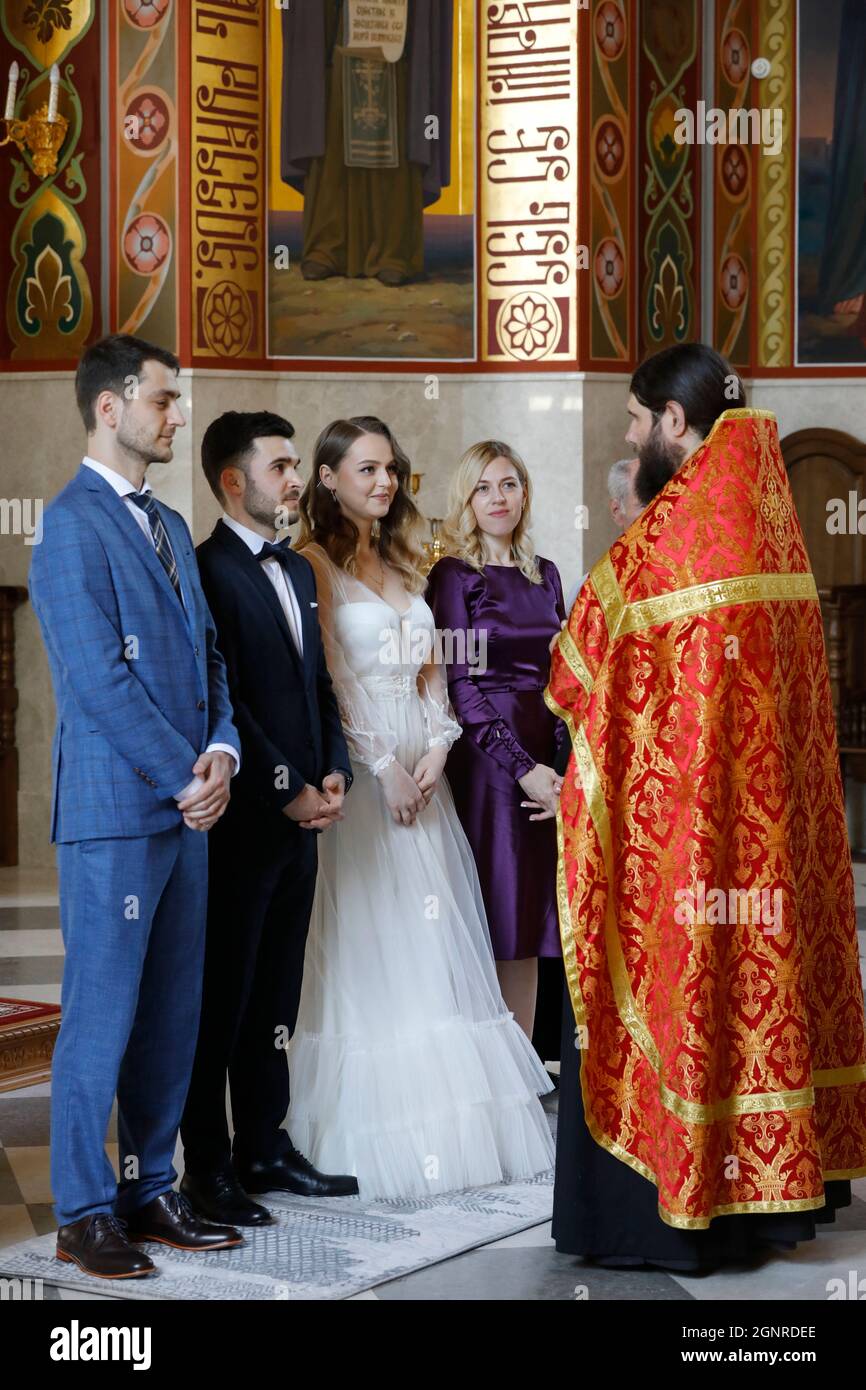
407,1069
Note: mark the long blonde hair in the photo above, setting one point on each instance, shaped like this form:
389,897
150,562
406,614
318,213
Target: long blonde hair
395,536
462,535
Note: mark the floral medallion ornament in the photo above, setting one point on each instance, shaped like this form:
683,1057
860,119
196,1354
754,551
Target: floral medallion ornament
146,121
609,267
145,14
609,148
146,243
227,319
610,29
735,171
735,57
733,281
528,326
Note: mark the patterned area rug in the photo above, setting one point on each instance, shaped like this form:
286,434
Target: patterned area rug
326,1249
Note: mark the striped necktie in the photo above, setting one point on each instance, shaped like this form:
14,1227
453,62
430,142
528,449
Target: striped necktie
161,542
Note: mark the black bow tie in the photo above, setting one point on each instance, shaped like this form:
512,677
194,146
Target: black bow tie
276,550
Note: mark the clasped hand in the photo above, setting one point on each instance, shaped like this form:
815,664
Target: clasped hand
203,807
318,810
406,795
543,786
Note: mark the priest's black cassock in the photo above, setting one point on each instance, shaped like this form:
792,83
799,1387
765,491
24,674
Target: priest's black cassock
365,221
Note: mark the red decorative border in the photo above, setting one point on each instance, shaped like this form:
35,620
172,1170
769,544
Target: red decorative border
586,124
87,58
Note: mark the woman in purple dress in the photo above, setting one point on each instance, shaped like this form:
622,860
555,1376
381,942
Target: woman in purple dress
497,605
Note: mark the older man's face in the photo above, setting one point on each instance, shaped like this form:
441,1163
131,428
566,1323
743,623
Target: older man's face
629,509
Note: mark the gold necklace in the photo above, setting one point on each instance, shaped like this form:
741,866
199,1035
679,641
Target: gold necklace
380,586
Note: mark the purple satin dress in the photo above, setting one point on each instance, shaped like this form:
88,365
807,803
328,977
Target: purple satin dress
507,729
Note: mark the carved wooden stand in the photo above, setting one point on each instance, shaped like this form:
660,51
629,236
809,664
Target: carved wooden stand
9,600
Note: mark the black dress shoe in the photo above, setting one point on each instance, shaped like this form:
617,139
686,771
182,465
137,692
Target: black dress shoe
293,1173
171,1220
219,1197
98,1245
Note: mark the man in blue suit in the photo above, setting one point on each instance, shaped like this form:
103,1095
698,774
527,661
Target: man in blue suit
143,754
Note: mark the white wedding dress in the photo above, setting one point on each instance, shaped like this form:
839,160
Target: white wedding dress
406,1067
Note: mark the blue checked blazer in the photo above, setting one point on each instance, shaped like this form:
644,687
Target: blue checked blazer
139,683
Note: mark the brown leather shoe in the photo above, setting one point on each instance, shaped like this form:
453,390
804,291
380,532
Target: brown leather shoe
314,270
171,1220
99,1245
390,277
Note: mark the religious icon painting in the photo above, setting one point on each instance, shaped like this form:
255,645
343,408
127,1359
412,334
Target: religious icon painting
371,217
831,220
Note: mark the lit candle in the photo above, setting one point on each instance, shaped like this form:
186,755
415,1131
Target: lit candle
55,91
11,92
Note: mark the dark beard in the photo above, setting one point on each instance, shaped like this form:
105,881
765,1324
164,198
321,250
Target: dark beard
261,507
659,462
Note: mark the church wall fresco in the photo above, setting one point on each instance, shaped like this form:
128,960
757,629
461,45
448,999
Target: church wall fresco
530,272
396,281
733,176
566,234
669,73
831,205
226,179
143,141
50,267
610,54
772,313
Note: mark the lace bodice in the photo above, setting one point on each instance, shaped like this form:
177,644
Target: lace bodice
377,655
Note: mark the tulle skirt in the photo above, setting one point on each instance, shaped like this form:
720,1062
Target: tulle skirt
406,1068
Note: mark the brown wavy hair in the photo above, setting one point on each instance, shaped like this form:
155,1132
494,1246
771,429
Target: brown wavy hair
395,536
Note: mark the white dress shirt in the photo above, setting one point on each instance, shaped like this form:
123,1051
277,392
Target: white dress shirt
277,575
123,487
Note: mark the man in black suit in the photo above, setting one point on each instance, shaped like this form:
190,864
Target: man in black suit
293,777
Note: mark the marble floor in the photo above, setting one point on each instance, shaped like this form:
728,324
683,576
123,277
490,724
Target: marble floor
520,1267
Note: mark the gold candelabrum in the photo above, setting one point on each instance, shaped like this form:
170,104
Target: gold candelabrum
433,549
42,132
40,136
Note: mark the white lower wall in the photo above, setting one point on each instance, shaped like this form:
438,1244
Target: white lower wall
568,427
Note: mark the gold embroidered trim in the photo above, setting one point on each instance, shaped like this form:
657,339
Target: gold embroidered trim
840,1076
844,1174
743,413
561,713
574,661
700,598
700,1223
622,617
609,595
566,933
691,1112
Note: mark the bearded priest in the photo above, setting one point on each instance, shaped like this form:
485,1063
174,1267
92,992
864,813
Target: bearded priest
713,1085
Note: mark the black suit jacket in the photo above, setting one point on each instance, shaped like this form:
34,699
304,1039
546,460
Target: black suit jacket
285,708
